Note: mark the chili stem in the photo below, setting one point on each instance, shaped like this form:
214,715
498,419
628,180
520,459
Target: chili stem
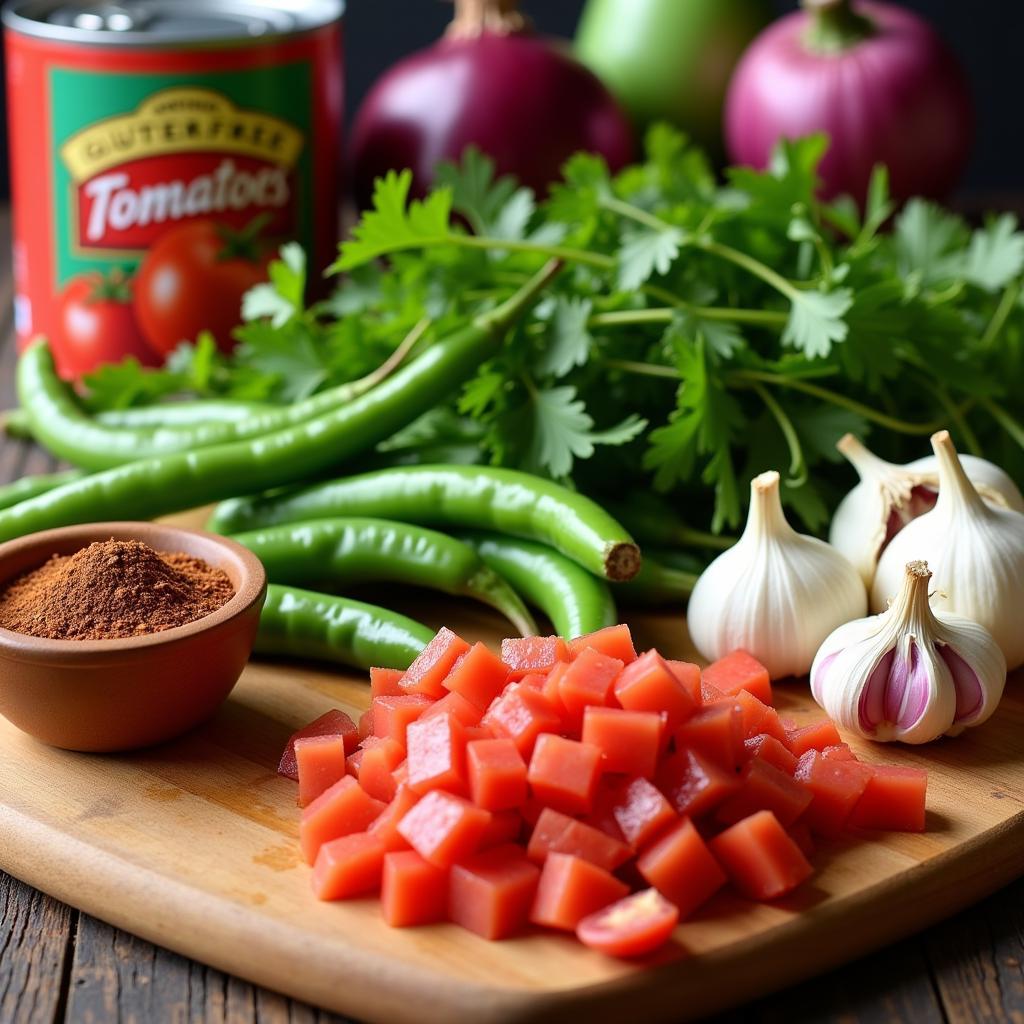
394,360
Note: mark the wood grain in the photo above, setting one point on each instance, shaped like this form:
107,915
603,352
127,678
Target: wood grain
192,846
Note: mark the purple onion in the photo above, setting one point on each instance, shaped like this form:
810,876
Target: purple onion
875,77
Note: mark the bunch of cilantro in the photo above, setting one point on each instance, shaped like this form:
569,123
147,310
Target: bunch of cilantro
701,332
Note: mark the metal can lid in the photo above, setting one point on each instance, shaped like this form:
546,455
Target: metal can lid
163,22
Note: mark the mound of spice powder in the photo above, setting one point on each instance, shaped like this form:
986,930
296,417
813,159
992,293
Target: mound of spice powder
110,590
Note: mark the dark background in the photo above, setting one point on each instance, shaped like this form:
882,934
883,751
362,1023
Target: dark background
986,34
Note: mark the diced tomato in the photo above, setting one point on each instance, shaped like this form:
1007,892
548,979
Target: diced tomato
640,811
836,787
444,828
769,749
558,833
757,717
321,762
526,654
765,788
436,755
680,866
839,752
427,673
715,732
497,774
366,724
342,809
693,784
740,671
894,798
689,675
550,688
385,827
478,732
380,758
392,715
478,676
800,833
504,827
760,858
536,680
652,684
412,890
632,927
384,682
629,741
349,866
570,888
330,723
353,763
613,641
491,893
469,715
522,714
710,694
813,737
586,682
564,773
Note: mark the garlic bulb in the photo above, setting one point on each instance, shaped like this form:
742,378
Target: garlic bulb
976,551
890,496
775,592
909,674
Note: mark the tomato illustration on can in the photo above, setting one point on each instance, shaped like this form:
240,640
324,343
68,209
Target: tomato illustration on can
160,151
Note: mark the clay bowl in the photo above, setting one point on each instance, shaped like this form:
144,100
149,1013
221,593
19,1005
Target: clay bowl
107,695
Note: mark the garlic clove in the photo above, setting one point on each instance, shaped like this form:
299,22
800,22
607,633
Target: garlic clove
775,593
975,549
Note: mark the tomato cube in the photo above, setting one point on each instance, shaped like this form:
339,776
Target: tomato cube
380,757
740,671
339,811
629,741
478,676
680,866
836,786
640,811
760,858
632,927
710,694
526,654
366,724
353,762
564,773
385,827
321,762
522,714
550,688
444,828
330,723
385,682
570,888
427,673
694,785
765,788
769,749
840,752
504,827
349,866
469,715
557,833
715,732
652,684
613,641
894,798
491,893
757,717
392,715
813,737
497,774
587,681
436,757
412,890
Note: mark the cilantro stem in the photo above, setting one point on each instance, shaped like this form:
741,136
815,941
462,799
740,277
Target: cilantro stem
797,462
394,360
956,416
556,252
631,212
1006,303
643,369
1004,419
656,315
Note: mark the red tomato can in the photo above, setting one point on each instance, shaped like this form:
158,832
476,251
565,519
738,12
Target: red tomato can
160,152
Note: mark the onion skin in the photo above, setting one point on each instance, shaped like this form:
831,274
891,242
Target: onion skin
520,98
897,96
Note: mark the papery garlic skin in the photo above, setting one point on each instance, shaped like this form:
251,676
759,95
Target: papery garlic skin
775,593
889,496
909,674
975,550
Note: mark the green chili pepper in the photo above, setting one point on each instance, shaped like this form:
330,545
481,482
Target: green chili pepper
156,486
304,624
340,552
653,522
472,497
29,486
60,424
656,584
575,601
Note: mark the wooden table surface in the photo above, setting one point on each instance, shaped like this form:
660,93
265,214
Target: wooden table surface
57,964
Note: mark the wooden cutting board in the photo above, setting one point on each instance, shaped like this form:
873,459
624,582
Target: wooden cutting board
193,846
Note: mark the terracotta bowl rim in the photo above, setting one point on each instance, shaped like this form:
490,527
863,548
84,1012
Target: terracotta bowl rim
250,590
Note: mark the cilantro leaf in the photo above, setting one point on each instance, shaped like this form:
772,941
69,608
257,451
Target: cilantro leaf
996,254
128,383
644,252
281,298
476,193
816,321
568,341
923,237
292,357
